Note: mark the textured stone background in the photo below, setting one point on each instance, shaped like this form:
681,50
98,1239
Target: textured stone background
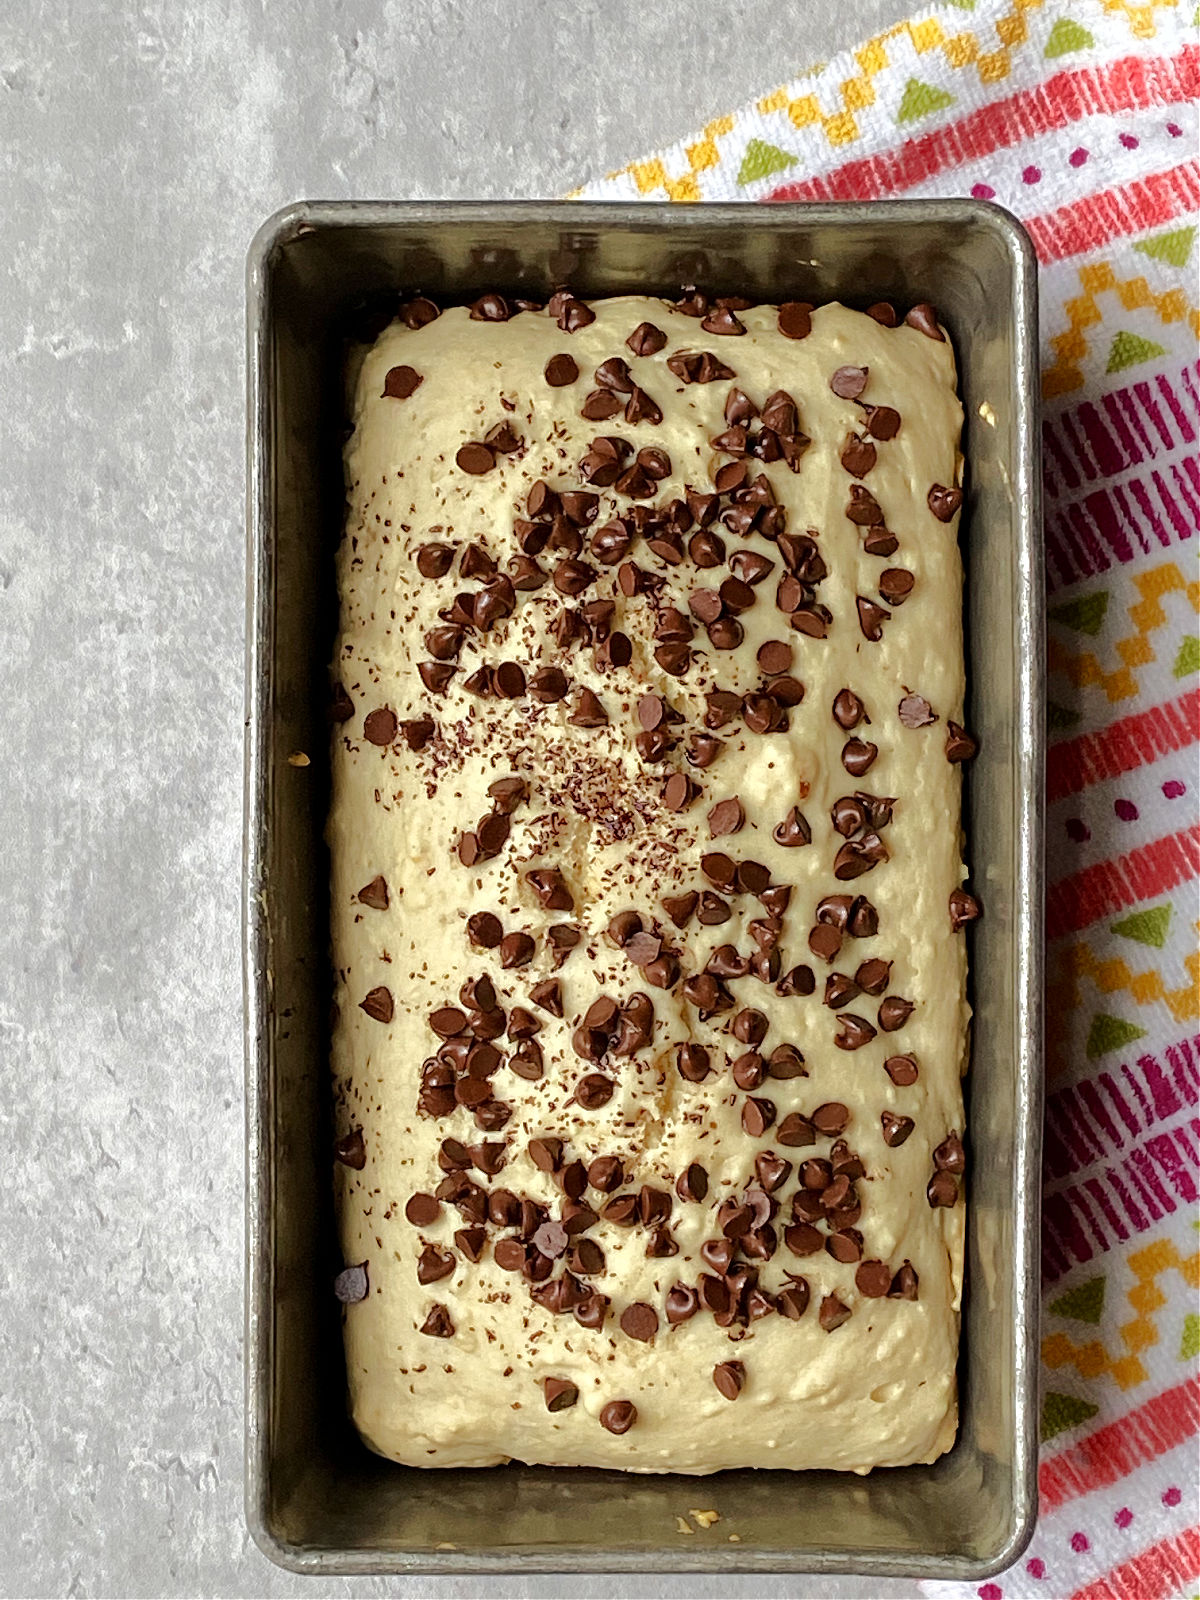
140,146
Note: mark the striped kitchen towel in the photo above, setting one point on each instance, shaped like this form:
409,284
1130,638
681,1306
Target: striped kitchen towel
1081,117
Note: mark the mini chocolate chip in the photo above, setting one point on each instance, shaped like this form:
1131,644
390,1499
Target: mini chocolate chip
434,1264
509,680
858,756
795,319
749,1070
916,712
895,585
722,321
351,1284
884,312
858,456
680,907
594,1091
516,950
849,382
726,817
680,791
682,1303
692,1183
793,831
873,1279
548,684
896,1129
950,1155
600,406
605,1173
560,371
833,1313
475,458
380,726
871,618
639,1321
559,1393
588,712
618,1416
730,1378
902,1070
774,657
960,745
503,439
641,407
964,908
692,1062
378,1004
401,382
798,980
438,1324
924,318
894,1012
942,1190
944,502
757,1115
435,675
485,929
646,339
852,1032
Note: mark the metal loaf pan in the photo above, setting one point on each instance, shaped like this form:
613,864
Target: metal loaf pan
317,1500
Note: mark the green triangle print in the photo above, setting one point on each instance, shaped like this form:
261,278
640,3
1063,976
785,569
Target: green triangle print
920,99
1059,719
1174,248
761,160
1084,1303
1110,1033
1063,1411
1085,615
1065,36
1188,659
1130,348
1147,927
1189,1345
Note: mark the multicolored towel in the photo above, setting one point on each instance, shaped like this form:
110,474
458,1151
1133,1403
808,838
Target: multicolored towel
1081,117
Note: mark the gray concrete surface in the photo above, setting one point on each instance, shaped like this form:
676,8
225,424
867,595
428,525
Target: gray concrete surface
140,146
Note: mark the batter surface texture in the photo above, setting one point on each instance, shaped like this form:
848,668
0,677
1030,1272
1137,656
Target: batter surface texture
647,886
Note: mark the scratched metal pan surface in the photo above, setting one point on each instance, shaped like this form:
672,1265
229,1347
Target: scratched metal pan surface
317,1500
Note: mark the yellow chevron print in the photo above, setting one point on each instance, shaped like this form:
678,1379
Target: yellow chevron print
1083,669
1075,962
1098,277
1140,15
1092,1360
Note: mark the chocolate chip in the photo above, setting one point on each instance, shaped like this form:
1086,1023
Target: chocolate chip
590,1313
351,1285
942,1190
551,1240
904,1285
795,1130
960,745
618,1416
516,950
640,407
692,1062
873,1279
863,919
570,314
639,1321
560,371
871,618
799,980
902,1070
924,318
950,1155
509,680
894,1012
546,1154
730,1378
401,382
758,1114
849,382
964,908
551,888
795,319
858,756
380,726
646,339
679,792
943,502
858,456
848,814
475,458
438,1324
588,712
586,1258
749,1070
503,439
692,1183
559,1393
643,948
916,712
594,1091
895,585
600,406
723,321
774,657
378,1004
852,1032
833,1313
726,817
682,1303
490,308
793,831
434,1264
896,1129
605,1173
